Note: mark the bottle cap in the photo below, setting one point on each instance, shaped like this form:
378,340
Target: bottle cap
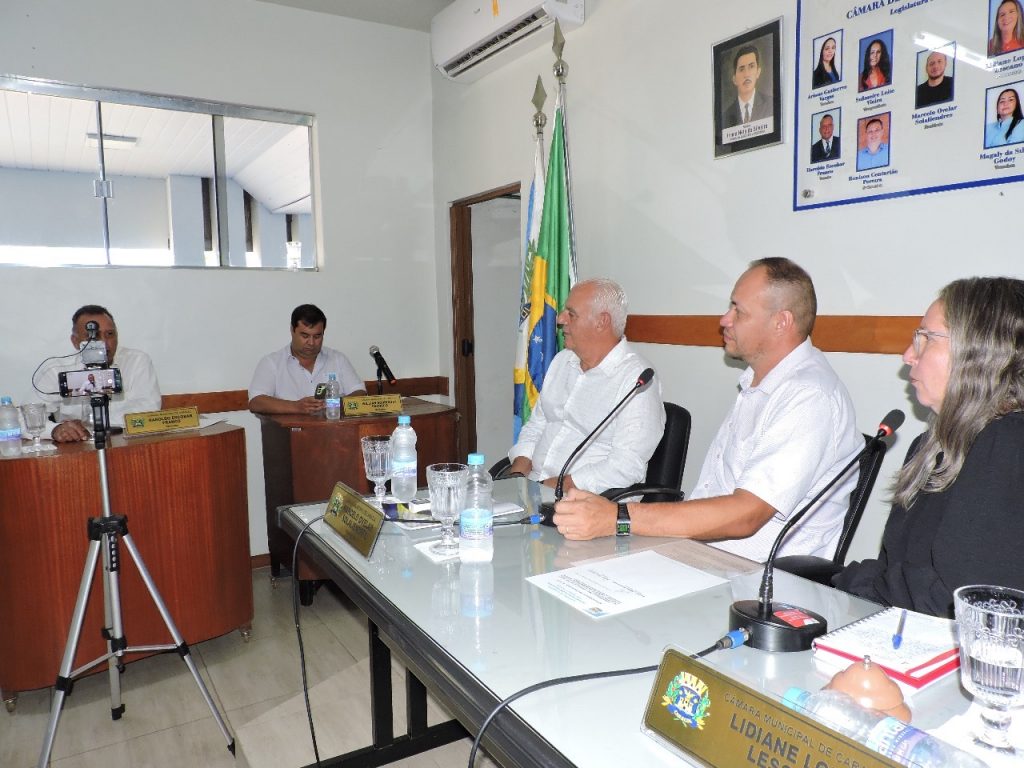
404,420
6,401
332,377
475,459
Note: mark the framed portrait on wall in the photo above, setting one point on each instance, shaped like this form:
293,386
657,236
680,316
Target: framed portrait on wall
748,90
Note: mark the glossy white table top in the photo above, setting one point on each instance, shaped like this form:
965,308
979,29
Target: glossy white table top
520,635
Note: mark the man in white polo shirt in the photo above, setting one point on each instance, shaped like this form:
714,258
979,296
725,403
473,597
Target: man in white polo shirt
285,381
790,431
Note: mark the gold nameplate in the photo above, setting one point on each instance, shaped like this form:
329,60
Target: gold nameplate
695,710
358,521
364,405
168,420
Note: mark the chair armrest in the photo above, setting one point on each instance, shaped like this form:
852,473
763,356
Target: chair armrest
656,493
816,569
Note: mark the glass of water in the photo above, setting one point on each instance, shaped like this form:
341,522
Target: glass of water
447,485
34,415
990,622
377,462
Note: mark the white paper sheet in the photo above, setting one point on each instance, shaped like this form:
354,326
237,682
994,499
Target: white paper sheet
621,584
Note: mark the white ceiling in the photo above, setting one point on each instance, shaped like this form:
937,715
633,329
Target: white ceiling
410,14
49,133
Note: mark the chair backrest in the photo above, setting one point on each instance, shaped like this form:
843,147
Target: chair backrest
500,468
665,469
870,463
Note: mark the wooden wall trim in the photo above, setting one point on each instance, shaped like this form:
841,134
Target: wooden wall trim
832,333
238,399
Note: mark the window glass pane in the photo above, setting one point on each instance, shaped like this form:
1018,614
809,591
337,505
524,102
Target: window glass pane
48,215
187,182
271,162
157,160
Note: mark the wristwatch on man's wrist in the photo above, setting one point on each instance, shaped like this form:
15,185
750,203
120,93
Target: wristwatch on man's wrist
622,523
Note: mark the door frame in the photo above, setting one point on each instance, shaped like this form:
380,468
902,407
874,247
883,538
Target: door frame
463,330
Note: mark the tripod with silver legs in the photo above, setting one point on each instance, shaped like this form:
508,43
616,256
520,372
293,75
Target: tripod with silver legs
106,533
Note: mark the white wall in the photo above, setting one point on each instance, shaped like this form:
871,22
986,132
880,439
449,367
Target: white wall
497,263
676,227
370,91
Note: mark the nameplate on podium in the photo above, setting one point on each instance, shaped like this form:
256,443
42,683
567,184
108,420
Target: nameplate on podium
352,516
695,710
366,405
168,420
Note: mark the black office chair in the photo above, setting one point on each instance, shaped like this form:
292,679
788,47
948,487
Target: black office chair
664,470
820,569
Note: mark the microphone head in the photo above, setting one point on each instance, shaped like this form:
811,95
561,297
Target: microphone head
893,420
645,377
374,351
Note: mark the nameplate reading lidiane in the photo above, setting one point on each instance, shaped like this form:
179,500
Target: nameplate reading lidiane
169,420
358,521
695,710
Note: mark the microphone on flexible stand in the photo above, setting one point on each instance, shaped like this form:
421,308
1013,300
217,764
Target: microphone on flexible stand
782,627
547,510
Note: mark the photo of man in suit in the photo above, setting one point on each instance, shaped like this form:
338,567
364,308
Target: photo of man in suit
828,146
750,104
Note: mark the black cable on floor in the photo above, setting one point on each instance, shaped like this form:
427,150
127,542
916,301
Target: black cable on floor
298,633
734,639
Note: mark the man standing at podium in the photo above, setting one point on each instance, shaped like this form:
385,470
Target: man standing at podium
585,381
791,430
141,389
285,381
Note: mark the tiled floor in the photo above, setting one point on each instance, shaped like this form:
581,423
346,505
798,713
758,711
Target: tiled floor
256,685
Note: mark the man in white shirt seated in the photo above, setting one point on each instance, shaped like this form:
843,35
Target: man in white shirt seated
584,382
285,381
141,388
791,430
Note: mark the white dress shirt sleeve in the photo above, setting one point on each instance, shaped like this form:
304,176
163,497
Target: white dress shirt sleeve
791,450
264,378
636,432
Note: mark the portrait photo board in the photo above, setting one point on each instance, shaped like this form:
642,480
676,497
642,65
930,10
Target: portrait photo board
955,140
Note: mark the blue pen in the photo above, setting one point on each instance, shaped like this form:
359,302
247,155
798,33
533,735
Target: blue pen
897,639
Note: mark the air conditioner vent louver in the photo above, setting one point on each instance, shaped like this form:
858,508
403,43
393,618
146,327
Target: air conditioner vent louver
528,26
469,38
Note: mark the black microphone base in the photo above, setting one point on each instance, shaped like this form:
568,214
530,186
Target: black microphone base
547,514
775,633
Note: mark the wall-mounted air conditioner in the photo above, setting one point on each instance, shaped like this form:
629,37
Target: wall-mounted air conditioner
470,38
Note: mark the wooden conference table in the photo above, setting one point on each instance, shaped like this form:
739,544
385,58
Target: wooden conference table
184,495
304,456
472,649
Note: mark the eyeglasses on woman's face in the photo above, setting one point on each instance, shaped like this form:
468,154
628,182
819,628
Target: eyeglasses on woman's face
922,337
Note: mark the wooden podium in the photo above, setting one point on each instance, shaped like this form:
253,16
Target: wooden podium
304,456
184,496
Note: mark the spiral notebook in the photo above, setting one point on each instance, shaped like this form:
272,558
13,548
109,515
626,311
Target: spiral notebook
928,653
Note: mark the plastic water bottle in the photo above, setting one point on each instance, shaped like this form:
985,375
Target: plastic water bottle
10,429
332,398
403,460
476,523
891,737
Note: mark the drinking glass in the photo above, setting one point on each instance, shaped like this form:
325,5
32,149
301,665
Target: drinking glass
447,485
34,415
990,622
377,461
